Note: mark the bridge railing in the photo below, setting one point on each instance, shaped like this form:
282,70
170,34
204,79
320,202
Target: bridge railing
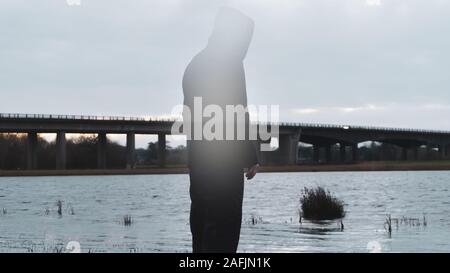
352,127
358,127
80,117
165,119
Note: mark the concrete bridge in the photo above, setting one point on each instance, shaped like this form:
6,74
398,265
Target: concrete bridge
321,136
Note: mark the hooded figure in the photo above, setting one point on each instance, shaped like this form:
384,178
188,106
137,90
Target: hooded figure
216,75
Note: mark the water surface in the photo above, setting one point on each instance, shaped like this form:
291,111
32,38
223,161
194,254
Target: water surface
94,208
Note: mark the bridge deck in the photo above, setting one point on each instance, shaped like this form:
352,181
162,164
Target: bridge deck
89,119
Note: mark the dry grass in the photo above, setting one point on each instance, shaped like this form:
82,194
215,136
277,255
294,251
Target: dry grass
319,204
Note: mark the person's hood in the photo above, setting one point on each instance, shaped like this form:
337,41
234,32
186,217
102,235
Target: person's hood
232,33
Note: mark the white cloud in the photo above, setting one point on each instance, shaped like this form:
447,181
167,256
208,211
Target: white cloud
435,106
373,2
306,110
367,107
349,109
314,110
420,115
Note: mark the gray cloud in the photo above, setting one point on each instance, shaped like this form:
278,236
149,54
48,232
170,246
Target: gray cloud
128,57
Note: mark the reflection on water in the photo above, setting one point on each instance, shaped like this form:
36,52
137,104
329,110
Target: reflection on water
93,211
320,228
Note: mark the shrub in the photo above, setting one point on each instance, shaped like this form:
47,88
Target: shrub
320,204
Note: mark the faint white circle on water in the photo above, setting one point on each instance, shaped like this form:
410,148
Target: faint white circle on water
73,247
374,247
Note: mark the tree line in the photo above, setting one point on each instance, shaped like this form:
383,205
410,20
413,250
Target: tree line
372,151
81,153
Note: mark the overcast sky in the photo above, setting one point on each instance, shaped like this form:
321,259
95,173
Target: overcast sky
366,62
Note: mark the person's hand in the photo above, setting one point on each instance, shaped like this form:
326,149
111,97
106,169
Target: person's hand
252,171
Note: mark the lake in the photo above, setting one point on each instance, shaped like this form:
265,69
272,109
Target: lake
94,207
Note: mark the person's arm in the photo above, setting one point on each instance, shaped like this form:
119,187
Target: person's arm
250,147
252,153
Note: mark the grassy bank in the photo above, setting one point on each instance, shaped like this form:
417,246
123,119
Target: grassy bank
363,166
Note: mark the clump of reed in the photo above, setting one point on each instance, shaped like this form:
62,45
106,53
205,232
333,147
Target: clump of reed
388,224
410,221
127,220
403,221
59,207
70,209
56,249
319,204
45,248
254,220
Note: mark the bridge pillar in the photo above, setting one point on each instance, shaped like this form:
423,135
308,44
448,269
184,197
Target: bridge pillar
429,154
316,153
288,147
162,150
265,157
342,152
101,150
131,146
447,147
259,152
404,153
441,152
416,153
355,154
61,150
328,153
32,141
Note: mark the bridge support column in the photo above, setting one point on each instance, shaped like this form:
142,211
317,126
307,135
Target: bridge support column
316,153
131,140
288,145
32,141
264,156
101,150
342,152
259,153
61,150
404,153
429,154
416,153
446,151
441,152
162,150
355,154
328,153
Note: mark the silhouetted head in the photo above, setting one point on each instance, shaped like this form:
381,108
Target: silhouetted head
232,33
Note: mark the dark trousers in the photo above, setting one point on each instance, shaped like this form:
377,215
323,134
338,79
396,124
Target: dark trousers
216,209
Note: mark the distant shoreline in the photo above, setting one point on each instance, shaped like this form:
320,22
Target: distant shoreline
359,167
